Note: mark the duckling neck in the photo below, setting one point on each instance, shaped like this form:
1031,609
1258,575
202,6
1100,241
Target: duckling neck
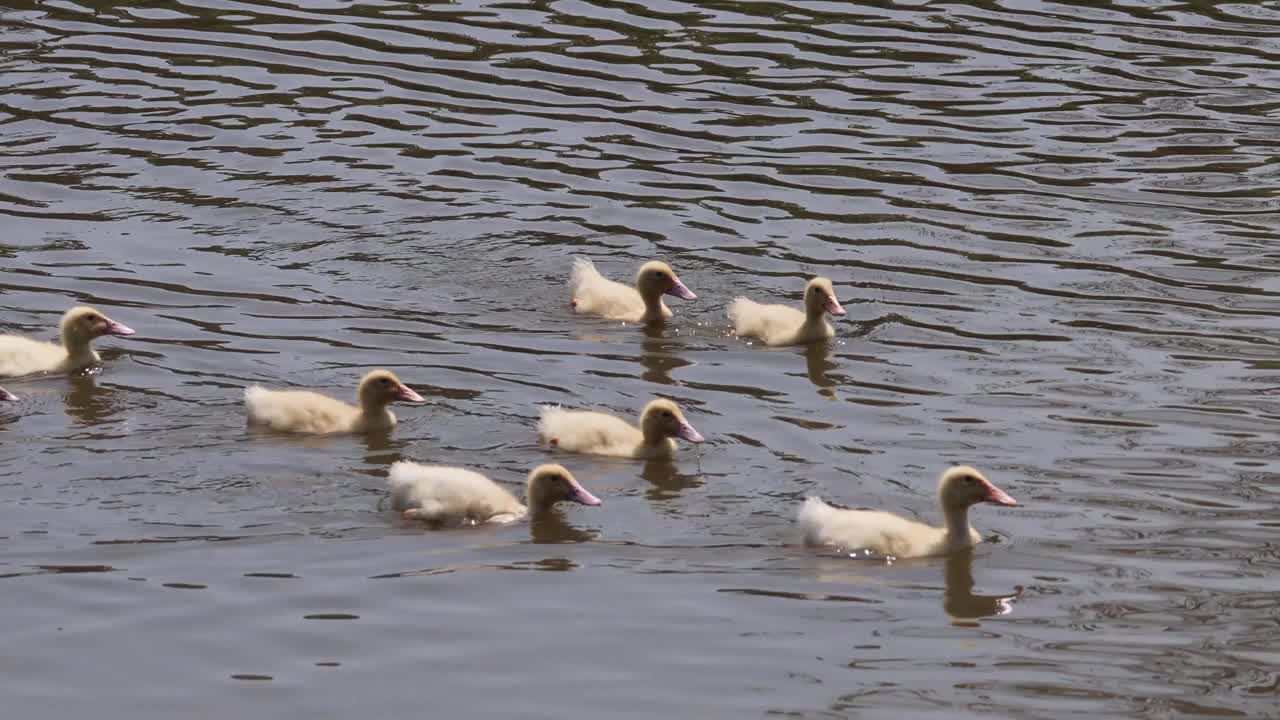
653,309
813,314
79,351
537,503
653,437
375,412
956,520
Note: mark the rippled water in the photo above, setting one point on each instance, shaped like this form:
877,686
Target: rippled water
1053,225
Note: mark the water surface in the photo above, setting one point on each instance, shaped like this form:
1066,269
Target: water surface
1052,223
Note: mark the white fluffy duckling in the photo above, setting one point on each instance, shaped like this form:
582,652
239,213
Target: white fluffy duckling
889,534
595,294
597,433
79,327
784,325
7,396
449,495
303,411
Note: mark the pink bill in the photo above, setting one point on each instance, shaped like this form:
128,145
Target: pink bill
580,495
679,290
998,496
115,328
407,394
687,432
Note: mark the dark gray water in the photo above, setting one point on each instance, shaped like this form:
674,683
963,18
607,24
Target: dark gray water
1053,225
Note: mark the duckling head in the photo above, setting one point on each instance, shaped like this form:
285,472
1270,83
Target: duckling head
657,278
382,387
550,484
963,486
663,418
820,296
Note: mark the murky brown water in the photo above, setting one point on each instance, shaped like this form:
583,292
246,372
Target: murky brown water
1053,225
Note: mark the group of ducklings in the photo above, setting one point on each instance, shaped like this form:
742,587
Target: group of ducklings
449,496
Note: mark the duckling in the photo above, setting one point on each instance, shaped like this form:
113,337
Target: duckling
597,433
594,294
783,325
79,327
303,411
450,495
888,534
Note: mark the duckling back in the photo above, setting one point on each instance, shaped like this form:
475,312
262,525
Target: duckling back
23,356
595,294
875,530
449,495
814,515
584,431
774,324
298,411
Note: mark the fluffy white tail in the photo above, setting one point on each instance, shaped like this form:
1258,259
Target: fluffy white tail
737,306
255,403
583,270
400,475
812,514
546,414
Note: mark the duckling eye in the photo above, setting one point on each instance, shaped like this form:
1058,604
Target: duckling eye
666,414
659,274
384,381
91,318
970,479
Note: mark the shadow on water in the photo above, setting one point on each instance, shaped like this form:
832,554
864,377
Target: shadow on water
960,603
962,606
658,356
550,527
665,479
87,401
818,361
381,447
260,432
1061,248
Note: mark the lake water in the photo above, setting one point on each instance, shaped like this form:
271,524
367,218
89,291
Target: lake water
1053,225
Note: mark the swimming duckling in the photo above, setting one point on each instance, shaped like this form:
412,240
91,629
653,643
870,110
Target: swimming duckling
303,411
885,533
785,325
598,433
594,294
79,327
450,495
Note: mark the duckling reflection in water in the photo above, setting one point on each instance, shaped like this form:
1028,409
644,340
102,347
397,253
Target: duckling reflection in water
962,606
658,357
959,602
665,479
818,362
550,527
89,403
